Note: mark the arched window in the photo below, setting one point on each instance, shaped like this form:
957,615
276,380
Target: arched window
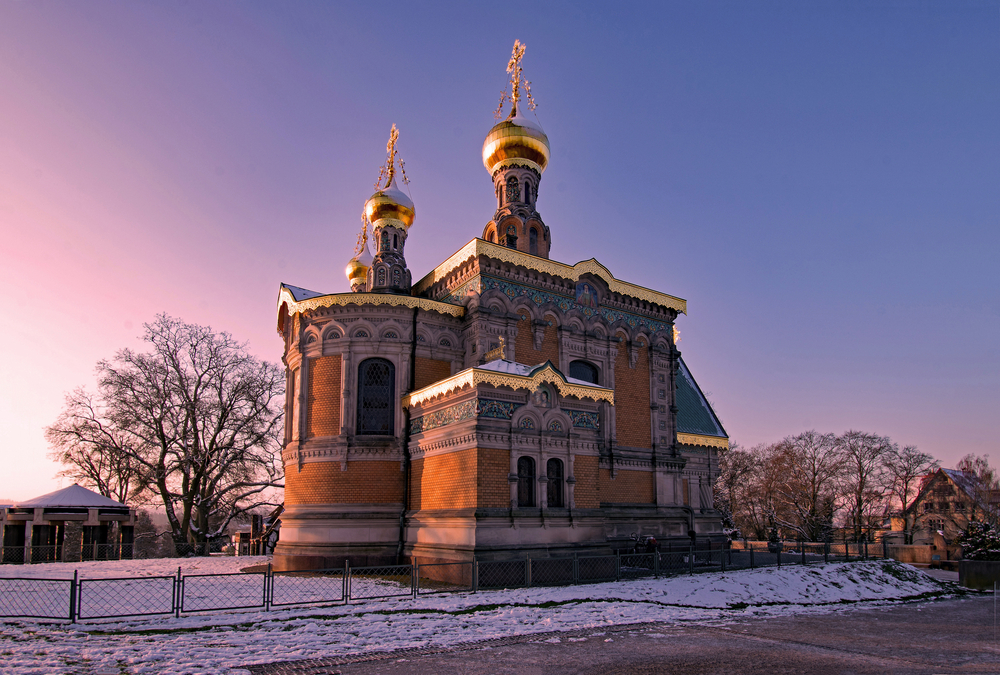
554,471
376,397
492,236
395,241
533,241
513,190
525,482
581,370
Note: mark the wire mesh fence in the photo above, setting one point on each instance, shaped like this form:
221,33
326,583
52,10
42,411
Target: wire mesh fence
107,598
306,588
125,596
390,581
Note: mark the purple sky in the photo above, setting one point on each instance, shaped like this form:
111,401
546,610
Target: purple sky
821,182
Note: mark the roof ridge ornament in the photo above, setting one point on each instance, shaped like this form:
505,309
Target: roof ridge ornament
516,82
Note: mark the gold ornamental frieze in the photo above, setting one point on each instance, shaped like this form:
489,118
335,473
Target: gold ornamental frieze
472,377
698,439
343,299
478,247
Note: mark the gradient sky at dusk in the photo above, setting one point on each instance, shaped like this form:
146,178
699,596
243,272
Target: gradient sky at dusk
821,182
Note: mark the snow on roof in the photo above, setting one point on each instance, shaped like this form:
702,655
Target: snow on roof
961,480
72,496
512,368
301,294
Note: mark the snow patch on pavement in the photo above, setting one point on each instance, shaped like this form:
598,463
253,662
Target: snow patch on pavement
221,642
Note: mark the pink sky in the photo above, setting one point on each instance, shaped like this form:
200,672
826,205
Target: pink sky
821,191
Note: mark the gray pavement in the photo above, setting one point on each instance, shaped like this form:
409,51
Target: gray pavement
955,636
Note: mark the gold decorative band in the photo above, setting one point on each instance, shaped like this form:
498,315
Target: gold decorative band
478,247
472,377
343,299
698,439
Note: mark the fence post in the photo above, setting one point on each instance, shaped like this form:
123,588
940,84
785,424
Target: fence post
722,558
691,559
656,562
802,545
178,593
576,568
475,575
885,549
781,545
268,588
751,556
72,596
415,578
347,581
826,551
618,564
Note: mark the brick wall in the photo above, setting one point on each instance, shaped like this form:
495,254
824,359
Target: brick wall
585,494
493,488
363,483
444,481
323,413
632,415
628,487
524,343
429,371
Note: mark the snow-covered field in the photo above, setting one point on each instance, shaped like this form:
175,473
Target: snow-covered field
219,643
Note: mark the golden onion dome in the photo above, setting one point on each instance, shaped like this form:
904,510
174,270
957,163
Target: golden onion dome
357,268
390,203
516,140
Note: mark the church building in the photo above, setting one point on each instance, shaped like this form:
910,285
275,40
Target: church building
504,404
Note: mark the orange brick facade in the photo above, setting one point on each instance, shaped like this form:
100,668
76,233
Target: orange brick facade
524,343
323,413
627,487
429,371
444,481
585,493
491,478
364,482
632,414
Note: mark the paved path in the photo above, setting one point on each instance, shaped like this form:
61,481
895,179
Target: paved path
947,636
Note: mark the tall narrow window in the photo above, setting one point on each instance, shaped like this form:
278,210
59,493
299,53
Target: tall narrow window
554,471
525,482
581,370
376,397
533,241
395,241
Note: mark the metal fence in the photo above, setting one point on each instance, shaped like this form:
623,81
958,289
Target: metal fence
107,598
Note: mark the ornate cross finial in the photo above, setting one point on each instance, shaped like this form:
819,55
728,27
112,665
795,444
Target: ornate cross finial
388,170
516,82
362,237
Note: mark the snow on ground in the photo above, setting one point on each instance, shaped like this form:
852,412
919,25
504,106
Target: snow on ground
220,642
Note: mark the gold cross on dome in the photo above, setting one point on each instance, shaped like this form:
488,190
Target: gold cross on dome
516,82
388,170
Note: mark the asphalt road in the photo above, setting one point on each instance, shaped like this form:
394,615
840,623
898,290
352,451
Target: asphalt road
955,636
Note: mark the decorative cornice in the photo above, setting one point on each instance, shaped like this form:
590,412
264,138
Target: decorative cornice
478,247
698,439
472,377
343,299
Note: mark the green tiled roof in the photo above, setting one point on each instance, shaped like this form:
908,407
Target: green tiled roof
694,415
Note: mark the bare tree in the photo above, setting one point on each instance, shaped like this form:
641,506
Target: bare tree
745,486
200,416
864,458
94,451
983,486
905,470
806,495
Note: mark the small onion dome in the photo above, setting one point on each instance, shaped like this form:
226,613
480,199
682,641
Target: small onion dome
390,203
357,269
516,139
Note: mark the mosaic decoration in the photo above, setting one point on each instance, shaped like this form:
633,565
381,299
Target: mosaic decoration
526,423
584,420
566,303
481,407
500,410
555,425
457,295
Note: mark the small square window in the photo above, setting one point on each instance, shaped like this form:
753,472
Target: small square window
662,393
663,424
660,378
663,409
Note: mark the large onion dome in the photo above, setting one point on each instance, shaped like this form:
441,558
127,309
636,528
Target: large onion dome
357,268
390,203
516,140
